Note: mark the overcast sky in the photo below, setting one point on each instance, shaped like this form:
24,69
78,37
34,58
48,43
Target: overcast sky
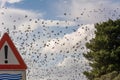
51,34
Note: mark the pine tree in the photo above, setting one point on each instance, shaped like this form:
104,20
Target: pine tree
104,54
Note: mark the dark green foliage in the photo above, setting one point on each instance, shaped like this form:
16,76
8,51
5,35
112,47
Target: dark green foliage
110,76
104,52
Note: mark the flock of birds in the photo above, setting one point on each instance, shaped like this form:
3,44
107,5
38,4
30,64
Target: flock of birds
33,43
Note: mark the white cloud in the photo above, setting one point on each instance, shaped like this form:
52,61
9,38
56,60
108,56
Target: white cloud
3,2
58,23
11,18
46,23
24,19
78,38
14,1
71,61
71,66
89,11
75,67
